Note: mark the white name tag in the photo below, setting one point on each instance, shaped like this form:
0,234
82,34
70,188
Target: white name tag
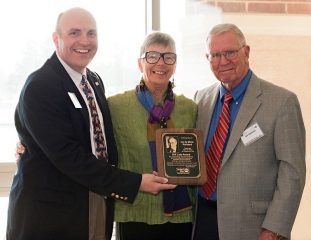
74,100
252,134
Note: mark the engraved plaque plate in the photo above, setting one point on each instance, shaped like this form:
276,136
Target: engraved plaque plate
181,156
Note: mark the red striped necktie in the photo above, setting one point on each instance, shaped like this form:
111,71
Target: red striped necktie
215,151
99,140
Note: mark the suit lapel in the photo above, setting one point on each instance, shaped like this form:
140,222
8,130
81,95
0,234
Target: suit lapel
206,108
246,112
71,87
99,91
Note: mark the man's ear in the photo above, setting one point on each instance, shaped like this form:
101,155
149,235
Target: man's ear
55,38
247,50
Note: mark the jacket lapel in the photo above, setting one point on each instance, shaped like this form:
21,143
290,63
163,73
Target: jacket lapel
206,108
99,91
97,87
246,112
71,87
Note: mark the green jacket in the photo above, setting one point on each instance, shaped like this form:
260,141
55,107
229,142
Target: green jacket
129,120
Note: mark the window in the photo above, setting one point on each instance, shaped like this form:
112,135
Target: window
28,43
279,34
26,39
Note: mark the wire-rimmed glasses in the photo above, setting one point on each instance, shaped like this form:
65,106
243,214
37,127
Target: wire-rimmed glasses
231,54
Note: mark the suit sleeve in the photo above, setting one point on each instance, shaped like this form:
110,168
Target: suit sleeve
290,148
56,133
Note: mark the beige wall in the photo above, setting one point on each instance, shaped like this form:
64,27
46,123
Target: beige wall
281,53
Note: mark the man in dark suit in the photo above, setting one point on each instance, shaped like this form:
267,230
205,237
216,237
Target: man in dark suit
61,189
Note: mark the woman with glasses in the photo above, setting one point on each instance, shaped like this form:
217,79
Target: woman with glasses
136,114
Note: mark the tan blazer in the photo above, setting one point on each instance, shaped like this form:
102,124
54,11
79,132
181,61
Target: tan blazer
259,185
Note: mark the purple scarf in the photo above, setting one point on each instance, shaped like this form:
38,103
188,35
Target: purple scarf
176,200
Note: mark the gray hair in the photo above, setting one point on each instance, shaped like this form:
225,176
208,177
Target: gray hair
157,38
224,28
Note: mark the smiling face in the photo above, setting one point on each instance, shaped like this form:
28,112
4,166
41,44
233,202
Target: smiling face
76,38
229,72
158,74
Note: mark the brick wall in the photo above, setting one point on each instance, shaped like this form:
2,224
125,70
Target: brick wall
262,6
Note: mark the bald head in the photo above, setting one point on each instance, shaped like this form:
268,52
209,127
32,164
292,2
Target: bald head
72,12
75,38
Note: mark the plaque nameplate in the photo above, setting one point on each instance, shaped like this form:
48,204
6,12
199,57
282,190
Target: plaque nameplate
180,155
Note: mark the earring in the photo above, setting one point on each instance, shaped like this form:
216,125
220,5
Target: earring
173,84
142,83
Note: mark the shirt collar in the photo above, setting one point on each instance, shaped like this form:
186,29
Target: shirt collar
75,76
239,89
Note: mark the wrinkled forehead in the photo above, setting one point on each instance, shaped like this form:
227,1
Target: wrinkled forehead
223,42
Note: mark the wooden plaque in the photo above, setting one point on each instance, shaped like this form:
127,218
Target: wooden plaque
181,156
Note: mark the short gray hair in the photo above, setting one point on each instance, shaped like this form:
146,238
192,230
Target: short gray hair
224,28
160,38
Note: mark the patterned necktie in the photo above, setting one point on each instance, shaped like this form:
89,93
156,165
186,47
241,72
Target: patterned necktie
99,140
215,151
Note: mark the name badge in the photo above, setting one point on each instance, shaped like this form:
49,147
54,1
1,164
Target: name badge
252,134
74,100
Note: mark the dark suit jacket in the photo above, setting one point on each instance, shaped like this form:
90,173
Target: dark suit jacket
49,196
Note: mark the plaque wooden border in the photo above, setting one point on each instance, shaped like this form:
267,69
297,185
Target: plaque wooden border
187,165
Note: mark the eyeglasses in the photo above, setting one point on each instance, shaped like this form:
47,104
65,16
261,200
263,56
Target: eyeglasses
232,54
154,57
